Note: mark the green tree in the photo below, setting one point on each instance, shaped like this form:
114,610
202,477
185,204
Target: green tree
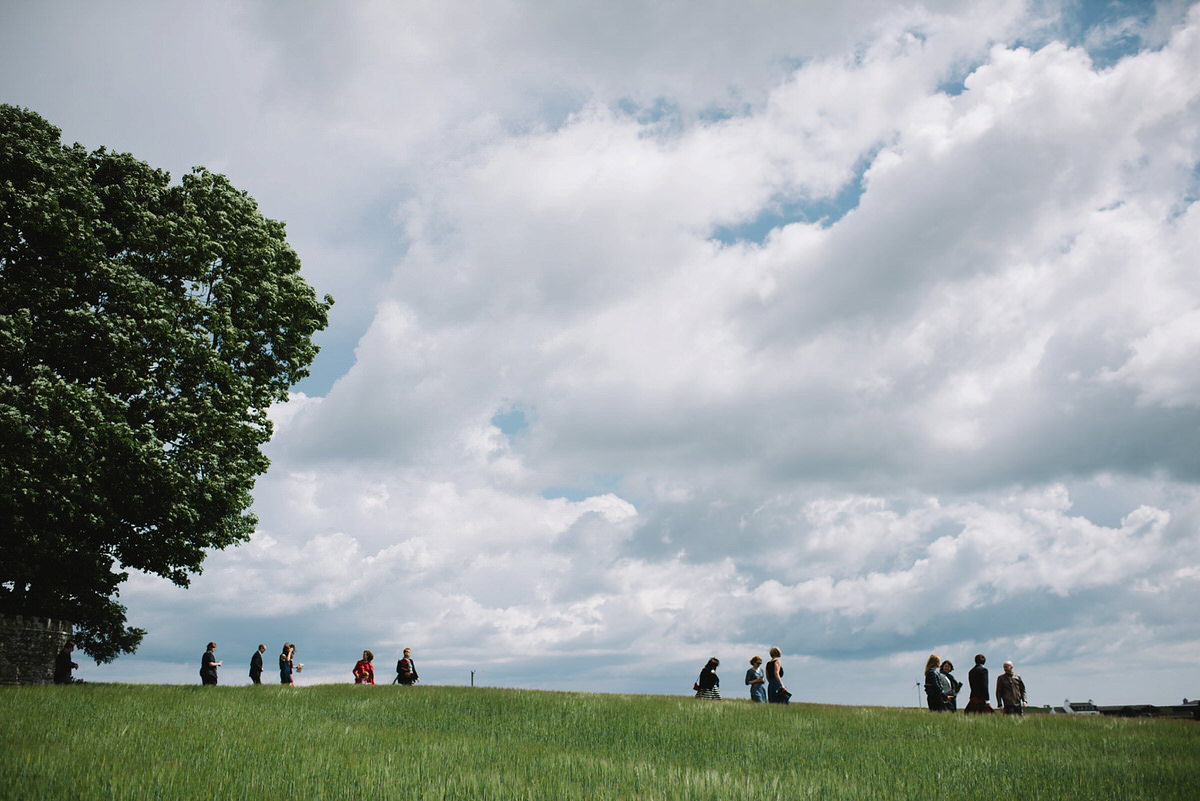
145,329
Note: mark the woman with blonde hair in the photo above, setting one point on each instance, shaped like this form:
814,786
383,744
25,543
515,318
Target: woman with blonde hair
406,670
935,684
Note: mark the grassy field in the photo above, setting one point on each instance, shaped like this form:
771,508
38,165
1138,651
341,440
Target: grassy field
386,742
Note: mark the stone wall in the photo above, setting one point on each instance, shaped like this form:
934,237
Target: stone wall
28,646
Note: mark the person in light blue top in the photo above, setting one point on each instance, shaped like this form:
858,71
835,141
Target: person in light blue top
756,680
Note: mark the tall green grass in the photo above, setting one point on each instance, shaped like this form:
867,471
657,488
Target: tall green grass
414,743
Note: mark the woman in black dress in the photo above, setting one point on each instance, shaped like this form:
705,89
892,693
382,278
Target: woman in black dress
285,664
777,693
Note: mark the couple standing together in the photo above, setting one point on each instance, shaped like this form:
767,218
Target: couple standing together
767,685
287,664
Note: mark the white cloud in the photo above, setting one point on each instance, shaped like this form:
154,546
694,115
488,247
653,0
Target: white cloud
936,395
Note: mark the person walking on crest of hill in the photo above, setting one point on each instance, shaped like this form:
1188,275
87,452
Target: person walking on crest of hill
256,667
364,670
936,685
977,678
63,664
777,693
406,670
1010,691
209,665
756,680
709,685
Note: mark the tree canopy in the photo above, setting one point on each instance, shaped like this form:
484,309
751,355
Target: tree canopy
145,329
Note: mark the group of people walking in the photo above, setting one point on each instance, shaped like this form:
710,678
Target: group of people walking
766,683
364,669
288,666
942,689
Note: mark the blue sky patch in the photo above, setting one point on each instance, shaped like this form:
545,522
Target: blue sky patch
824,210
511,422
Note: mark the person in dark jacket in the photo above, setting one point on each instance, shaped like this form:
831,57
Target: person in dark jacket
209,665
977,679
935,694
406,670
256,666
709,685
63,664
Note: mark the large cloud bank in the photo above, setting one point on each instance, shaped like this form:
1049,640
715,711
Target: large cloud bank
885,349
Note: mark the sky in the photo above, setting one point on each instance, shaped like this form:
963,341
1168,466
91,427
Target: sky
668,330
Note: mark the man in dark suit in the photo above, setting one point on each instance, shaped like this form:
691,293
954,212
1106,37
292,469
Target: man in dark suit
978,679
256,664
